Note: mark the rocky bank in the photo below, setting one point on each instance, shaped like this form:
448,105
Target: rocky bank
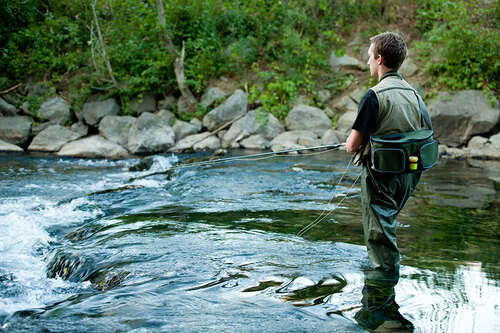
466,123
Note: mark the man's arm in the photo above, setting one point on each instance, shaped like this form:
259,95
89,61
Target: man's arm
354,141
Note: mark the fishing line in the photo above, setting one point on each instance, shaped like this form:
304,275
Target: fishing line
321,217
253,157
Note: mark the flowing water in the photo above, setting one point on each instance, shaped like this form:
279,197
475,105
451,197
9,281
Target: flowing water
83,248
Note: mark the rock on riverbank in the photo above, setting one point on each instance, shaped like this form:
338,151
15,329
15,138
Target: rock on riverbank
466,125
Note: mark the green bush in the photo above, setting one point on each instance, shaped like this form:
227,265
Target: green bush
461,43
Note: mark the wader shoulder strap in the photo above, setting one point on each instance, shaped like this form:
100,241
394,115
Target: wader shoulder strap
421,105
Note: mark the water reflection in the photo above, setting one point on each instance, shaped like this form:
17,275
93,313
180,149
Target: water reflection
380,312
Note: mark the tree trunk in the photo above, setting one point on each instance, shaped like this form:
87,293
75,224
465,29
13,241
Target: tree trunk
178,60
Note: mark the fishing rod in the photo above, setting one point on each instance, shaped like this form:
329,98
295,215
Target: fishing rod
243,158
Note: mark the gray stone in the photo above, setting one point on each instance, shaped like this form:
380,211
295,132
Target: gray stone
148,135
8,147
329,112
196,122
183,129
341,135
25,108
343,104
324,95
36,129
188,142
294,140
183,105
36,89
93,112
52,138
94,146
15,130
495,141
477,142
456,117
7,109
346,121
12,99
116,128
80,128
300,100
143,104
221,134
307,118
166,117
55,110
408,68
357,94
167,103
255,141
210,143
329,138
211,96
249,125
345,62
235,106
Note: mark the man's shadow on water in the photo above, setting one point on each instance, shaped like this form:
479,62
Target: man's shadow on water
380,312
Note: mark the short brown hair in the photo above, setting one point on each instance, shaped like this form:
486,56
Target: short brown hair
392,47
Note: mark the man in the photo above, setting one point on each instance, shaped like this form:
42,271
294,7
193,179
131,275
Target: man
391,106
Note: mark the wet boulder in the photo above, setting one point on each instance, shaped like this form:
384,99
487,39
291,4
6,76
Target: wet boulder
55,110
94,146
15,130
456,117
148,135
116,128
234,107
7,109
52,139
9,147
307,118
93,112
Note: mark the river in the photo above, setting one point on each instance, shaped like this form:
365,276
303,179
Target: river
84,248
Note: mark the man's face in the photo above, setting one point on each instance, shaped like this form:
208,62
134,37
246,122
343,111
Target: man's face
372,62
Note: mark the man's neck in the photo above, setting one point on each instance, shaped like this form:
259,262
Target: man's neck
383,70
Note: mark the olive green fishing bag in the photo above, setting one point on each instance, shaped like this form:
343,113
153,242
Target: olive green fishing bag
405,152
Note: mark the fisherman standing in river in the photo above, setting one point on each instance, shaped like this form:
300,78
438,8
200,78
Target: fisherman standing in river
392,106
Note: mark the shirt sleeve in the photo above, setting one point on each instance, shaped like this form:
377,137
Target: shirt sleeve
367,117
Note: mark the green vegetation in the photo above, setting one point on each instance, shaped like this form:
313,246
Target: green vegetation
277,48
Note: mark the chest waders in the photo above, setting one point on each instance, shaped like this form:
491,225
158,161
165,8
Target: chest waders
386,188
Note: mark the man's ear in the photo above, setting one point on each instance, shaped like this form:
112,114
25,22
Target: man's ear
380,60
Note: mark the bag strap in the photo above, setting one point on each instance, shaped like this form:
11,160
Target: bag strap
424,111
